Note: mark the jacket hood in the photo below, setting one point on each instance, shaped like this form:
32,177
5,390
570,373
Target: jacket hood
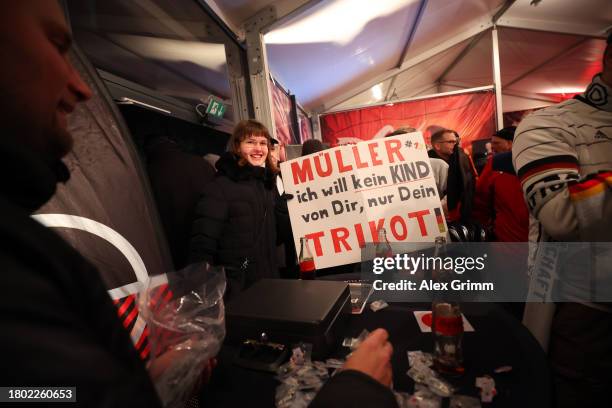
228,165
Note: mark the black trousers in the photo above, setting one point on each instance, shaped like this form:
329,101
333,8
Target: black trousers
580,353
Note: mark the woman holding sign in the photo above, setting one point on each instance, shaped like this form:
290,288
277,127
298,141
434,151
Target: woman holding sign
239,217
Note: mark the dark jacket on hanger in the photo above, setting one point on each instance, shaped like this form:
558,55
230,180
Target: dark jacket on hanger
59,325
238,220
461,184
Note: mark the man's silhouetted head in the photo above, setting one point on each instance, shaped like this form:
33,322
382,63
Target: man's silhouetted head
39,86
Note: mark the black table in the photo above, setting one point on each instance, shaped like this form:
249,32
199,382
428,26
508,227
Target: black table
499,340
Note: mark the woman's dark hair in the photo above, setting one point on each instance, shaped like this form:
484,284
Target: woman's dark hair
244,129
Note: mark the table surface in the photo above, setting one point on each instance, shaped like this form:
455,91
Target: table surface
499,339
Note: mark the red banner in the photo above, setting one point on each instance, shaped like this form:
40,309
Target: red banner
472,115
281,109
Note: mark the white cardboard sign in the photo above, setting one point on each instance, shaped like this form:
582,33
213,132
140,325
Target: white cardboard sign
344,195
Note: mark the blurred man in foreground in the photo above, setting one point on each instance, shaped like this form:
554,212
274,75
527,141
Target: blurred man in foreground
59,326
563,158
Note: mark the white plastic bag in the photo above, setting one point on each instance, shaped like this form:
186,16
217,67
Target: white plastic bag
186,322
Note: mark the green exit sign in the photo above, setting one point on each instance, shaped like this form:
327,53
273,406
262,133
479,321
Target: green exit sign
215,108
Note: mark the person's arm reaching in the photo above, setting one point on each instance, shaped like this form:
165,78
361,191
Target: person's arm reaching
373,357
365,377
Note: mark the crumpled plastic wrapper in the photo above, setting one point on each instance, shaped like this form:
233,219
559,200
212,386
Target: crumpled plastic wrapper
423,398
290,397
487,388
377,305
362,336
334,363
421,373
186,321
354,342
417,357
301,379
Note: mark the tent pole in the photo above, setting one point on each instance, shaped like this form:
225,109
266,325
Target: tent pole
499,112
258,66
413,30
316,127
413,98
407,64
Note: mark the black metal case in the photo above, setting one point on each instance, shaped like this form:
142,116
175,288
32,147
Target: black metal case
290,311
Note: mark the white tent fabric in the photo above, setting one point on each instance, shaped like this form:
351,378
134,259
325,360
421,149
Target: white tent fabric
537,68
547,47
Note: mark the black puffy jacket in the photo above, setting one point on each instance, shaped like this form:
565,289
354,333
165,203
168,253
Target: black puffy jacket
236,222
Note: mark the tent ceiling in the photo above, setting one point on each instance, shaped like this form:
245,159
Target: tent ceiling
567,74
413,82
236,12
342,57
538,64
532,75
332,53
367,97
469,73
587,17
426,73
444,20
402,54
319,72
525,50
169,46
